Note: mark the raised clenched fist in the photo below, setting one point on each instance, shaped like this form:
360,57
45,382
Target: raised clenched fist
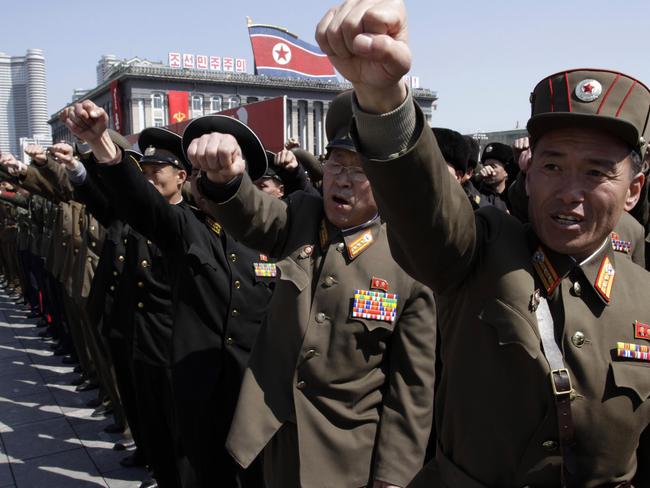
218,155
367,42
63,153
37,153
85,120
286,160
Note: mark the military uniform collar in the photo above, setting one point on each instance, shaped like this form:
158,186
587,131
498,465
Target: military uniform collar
599,270
356,239
552,267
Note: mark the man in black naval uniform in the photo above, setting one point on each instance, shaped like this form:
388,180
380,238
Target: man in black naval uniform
219,295
142,311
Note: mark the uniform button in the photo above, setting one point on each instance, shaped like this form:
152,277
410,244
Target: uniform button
237,284
229,341
93,244
578,339
235,312
301,385
125,241
112,287
144,263
308,250
120,258
310,354
140,284
92,228
148,242
115,273
90,259
140,305
550,446
76,251
577,289
321,317
233,257
330,281
64,244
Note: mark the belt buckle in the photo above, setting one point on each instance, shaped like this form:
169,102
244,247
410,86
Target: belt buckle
557,374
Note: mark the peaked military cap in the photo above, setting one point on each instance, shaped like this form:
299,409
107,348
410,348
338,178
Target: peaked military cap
453,147
338,122
162,146
500,152
594,98
252,149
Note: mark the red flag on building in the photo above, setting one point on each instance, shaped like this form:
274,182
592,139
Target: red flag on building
178,106
278,52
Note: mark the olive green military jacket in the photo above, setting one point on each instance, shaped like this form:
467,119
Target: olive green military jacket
495,416
359,390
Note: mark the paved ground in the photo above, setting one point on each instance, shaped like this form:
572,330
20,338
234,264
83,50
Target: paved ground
47,437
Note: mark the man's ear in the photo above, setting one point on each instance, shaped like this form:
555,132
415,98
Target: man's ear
634,191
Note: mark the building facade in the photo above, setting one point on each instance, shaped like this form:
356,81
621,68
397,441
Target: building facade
23,99
142,95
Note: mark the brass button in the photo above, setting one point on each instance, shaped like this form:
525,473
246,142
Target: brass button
140,305
112,287
115,273
233,257
140,284
308,250
310,354
144,263
330,281
229,341
90,259
237,284
120,258
550,446
93,244
235,312
578,339
321,317
577,289
301,385
92,228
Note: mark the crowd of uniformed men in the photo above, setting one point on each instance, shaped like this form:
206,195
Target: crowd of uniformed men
268,320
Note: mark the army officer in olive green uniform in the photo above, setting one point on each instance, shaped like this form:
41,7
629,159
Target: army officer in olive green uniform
339,387
546,371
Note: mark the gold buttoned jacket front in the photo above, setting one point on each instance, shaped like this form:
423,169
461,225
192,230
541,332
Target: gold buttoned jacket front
360,391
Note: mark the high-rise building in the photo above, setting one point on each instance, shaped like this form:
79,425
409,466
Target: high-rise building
23,99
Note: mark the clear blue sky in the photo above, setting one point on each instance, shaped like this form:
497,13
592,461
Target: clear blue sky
482,57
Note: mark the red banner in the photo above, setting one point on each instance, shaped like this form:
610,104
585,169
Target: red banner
178,106
117,106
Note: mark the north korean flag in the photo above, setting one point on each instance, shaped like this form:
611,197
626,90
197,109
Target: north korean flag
280,53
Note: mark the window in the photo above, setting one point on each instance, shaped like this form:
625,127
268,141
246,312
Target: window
158,115
216,104
234,102
252,99
196,106
157,100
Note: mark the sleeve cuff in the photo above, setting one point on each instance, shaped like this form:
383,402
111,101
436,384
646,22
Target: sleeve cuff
77,176
373,129
218,193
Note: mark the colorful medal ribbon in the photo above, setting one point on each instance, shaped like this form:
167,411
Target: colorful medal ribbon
375,305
